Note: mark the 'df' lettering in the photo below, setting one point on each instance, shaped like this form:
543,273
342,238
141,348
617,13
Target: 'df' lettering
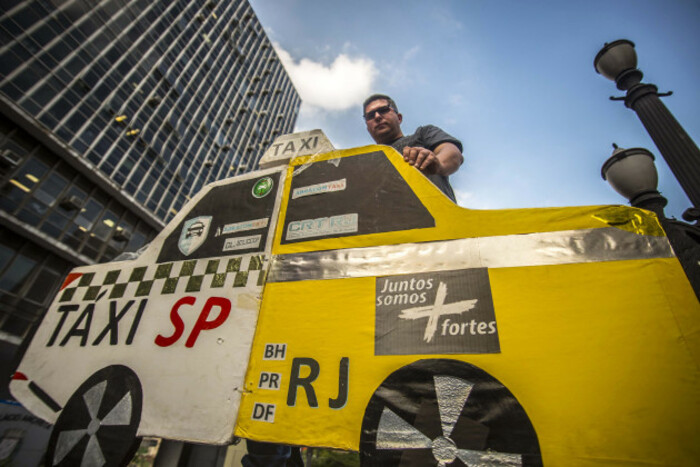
264,412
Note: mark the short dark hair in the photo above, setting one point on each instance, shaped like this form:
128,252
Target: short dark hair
376,97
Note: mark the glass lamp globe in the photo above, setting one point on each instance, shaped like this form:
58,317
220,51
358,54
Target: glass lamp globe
614,58
631,172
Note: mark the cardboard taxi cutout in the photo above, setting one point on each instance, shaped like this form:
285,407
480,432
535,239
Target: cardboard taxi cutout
342,300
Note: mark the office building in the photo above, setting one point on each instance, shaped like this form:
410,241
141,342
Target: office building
114,113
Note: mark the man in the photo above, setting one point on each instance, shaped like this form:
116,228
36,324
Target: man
430,150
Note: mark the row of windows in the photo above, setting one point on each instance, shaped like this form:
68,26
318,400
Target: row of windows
44,192
88,53
29,278
100,61
118,147
94,52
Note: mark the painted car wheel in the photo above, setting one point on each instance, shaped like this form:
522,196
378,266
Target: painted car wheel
98,425
445,412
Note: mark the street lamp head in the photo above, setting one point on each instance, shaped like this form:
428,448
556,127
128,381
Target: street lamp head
631,172
617,61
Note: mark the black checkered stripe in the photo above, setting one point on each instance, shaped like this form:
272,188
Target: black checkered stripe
168,278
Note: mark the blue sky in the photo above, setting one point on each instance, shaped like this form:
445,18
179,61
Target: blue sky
513,80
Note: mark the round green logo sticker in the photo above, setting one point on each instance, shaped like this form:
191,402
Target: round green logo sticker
262,187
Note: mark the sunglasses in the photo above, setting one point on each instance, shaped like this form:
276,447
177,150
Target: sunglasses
379,110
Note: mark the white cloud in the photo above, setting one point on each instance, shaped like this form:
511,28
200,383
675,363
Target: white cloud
402,73
456,100
340,86
446,19
411,53
310,118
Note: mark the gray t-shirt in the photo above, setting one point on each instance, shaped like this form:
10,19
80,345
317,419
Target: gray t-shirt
430,137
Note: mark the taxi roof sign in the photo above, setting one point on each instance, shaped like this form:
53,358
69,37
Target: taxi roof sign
289,146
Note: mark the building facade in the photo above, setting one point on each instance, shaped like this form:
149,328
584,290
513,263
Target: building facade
114,113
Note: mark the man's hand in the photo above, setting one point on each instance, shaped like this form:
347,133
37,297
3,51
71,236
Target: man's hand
444,161
422,159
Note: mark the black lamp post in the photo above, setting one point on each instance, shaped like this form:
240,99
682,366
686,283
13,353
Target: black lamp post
631,172
617,61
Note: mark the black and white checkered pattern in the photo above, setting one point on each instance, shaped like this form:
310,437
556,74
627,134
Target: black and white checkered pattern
167,278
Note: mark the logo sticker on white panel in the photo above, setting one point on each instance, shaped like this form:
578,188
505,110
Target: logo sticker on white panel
320,188
193,234
243,226
323,226
242,243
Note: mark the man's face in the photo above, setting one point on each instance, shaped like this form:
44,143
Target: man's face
384,128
